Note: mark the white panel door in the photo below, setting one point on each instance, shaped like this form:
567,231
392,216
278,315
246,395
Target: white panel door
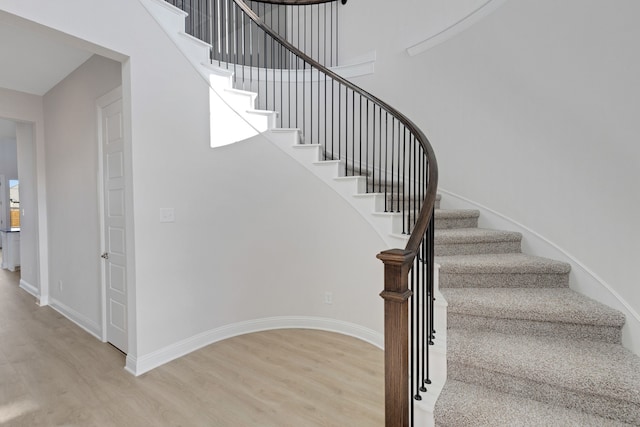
115,267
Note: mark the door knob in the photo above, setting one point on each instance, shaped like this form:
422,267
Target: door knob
105,255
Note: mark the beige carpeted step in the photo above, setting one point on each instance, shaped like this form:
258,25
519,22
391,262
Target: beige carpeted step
471,405
553,312
469,241
594,377
502,270
456,218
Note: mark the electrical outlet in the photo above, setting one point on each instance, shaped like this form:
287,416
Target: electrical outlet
60,285
167,215
328,298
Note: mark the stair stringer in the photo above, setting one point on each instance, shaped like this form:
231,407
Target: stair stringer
220,81
371,208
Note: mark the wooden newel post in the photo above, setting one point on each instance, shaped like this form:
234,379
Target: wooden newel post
396,294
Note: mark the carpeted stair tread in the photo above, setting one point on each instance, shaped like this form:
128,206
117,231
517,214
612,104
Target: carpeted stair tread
549,305
591,376
469,241
456,213
474,235
456,218
501,263
469,405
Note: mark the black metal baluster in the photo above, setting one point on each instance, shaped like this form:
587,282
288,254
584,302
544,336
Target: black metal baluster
304,99
380,170
386,153
324,33
273,70
244,49
373,150
251,55
404,173
331,35
400,128
340,119
297,84
353,131
311,104
216,41
413,334
235,39
360,135
407,202
368,143
333,115
393,156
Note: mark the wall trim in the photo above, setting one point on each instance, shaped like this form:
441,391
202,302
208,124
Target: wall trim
457,27
29,288
79,319
582,278
140,365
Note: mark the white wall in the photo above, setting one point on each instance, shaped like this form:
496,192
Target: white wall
26,161
26,110
256,236
72,164
532,112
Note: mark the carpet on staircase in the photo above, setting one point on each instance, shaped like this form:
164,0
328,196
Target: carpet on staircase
523,349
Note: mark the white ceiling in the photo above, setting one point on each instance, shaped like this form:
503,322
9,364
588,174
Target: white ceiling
33,63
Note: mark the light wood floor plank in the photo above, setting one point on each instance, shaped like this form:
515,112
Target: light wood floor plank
52,373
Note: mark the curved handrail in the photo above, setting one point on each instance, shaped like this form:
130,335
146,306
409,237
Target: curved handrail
408,174
426,211
298,2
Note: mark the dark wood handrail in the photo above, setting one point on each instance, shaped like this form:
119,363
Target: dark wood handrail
297,2
398,262
430,197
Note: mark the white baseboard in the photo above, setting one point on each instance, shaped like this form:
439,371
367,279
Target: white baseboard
138,365
79,319
28,287
582,279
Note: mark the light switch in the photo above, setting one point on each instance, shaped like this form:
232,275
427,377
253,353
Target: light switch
167,215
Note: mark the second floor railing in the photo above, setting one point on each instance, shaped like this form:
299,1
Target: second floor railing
310,26
368,137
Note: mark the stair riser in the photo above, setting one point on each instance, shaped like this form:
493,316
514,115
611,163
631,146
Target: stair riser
373,187
502,280
446,223
395,203
588,402
608,334
477,248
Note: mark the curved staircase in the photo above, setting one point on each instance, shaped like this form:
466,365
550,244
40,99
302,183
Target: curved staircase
522,348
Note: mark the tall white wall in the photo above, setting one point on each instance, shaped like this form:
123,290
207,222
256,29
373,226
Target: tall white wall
255,237
532,112
72,165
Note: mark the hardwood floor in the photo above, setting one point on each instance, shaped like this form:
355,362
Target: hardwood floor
52,373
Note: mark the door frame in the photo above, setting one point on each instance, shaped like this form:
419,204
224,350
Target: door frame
101,103
4,199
